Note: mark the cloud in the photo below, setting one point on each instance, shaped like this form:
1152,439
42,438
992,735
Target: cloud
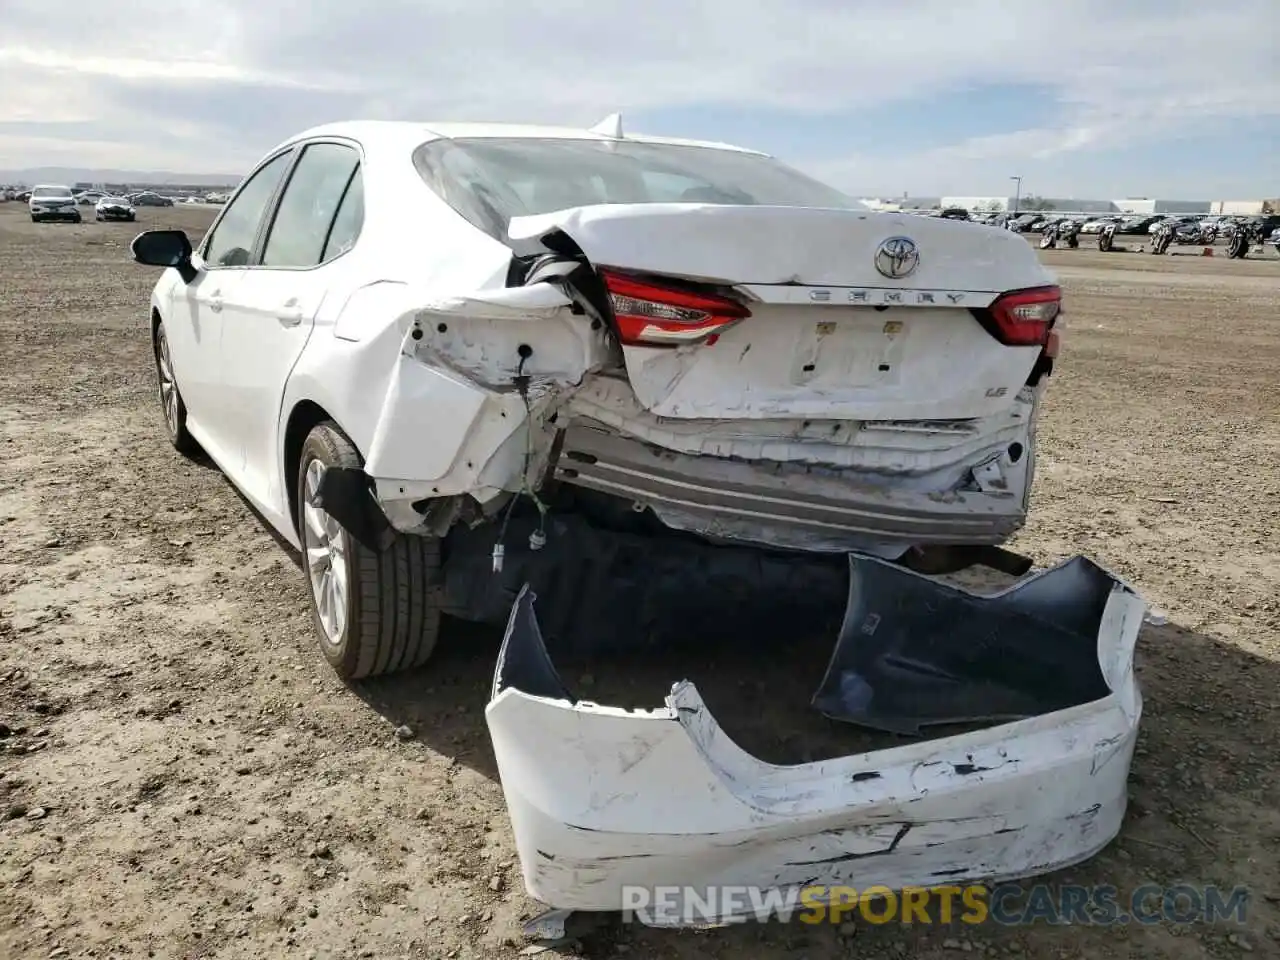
208,86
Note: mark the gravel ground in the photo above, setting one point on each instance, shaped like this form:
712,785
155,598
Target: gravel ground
184,777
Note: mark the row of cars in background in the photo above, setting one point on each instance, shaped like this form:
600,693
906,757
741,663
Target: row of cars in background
139,198
59,202
1187,228
55,202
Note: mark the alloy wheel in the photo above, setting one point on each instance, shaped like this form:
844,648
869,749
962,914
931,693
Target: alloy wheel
325,545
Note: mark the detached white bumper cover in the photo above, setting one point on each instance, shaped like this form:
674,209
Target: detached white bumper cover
601,798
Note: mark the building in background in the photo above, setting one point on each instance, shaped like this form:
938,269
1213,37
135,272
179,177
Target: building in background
1137,205
1029,204
905,202
1245,208
1147,206
980,204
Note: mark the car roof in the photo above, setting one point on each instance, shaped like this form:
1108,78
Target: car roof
404,135
51,186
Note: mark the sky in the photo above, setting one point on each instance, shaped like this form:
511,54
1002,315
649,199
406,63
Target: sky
1081,98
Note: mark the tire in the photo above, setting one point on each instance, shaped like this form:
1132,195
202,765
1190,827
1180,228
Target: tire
390,611
172,408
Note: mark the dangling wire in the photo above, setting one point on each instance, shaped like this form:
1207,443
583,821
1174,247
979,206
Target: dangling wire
538,538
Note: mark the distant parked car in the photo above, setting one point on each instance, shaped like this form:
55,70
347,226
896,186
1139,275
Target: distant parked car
149,199
1056,220
1194,231
115,208
88,198
1132,225
1174,222
1265,224
1096,225
53,202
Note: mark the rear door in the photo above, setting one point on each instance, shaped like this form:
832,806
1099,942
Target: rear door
268,321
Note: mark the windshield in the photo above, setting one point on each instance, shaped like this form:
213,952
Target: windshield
490,181
50,193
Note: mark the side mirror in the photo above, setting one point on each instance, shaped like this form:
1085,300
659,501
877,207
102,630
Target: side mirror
164,248
161,248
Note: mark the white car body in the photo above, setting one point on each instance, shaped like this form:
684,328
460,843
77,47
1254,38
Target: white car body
1095,226
817,377
927,397
51,201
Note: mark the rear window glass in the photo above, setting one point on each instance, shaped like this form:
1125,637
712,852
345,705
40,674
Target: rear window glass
51,192
490,181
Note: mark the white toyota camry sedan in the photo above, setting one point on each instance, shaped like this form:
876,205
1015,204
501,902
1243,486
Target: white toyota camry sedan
414,346
393,330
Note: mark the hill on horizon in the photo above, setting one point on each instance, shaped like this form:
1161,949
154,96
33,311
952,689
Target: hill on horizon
33,175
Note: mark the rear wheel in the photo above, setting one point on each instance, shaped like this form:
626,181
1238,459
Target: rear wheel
374,611
171,405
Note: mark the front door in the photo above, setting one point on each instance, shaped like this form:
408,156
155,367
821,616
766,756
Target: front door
266,326
202,307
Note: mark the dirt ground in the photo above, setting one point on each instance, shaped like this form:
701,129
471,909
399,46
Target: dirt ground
183,776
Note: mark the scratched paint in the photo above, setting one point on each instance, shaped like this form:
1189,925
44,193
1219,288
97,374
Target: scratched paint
592,814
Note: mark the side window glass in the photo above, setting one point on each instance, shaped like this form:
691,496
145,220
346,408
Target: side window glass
309,205
231,243
347,224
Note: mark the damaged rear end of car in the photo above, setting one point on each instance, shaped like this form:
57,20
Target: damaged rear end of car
695,346
798,377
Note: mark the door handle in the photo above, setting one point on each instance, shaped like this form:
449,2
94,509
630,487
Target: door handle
291,314
215,301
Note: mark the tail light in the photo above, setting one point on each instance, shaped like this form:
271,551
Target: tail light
1022,318
650,314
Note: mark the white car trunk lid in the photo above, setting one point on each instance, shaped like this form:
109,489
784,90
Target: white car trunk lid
813,313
